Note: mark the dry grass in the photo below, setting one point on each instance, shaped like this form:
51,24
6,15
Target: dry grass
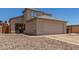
46,42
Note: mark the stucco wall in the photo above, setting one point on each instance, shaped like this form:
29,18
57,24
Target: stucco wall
50,27
30,27
26,15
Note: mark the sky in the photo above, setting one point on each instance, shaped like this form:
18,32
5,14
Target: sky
7,13
71,15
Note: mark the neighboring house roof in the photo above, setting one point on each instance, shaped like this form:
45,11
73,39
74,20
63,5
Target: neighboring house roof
36,11
2,24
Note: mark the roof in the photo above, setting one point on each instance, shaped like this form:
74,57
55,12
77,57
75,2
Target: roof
2,24
36,11
50,18
74,25
15,18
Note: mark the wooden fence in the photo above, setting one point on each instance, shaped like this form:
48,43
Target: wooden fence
6,28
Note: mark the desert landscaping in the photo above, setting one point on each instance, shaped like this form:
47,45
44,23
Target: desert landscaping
42,42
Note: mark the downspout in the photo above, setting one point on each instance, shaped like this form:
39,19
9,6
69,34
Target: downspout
71,29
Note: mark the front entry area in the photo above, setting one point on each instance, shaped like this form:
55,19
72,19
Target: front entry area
19,28
67,31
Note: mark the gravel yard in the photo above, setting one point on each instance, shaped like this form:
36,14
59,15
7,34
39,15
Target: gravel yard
44,42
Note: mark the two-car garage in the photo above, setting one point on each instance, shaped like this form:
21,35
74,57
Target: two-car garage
47,26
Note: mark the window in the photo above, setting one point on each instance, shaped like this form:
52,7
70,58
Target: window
33,14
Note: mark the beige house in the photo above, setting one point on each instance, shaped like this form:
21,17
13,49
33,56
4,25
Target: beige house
37,22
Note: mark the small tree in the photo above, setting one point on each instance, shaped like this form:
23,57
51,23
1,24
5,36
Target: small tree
5,22
0,21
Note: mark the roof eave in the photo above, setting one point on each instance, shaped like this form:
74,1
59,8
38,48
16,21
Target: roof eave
54,20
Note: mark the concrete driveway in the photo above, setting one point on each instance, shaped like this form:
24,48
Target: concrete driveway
70,38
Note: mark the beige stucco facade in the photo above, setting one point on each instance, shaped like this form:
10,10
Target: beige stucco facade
31,27
45,26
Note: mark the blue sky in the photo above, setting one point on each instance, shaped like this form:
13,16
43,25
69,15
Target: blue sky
6,13
71,15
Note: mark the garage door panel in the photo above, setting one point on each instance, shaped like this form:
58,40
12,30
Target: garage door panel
53,28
